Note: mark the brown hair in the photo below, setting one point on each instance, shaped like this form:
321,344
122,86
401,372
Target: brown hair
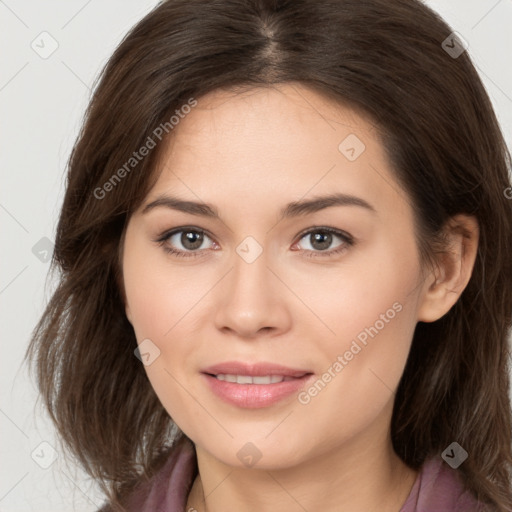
383,57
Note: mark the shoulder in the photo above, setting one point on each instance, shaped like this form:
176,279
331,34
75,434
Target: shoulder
168,489
438,488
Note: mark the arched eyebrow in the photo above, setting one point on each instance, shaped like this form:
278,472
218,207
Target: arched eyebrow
293,209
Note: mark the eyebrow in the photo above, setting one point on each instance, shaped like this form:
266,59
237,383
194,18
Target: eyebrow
293,209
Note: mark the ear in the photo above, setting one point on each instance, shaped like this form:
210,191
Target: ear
445,284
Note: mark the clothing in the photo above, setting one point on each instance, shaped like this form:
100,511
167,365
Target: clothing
436,489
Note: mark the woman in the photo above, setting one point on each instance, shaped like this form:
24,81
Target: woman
286,255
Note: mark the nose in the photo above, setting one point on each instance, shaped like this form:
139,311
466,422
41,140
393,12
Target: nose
252,300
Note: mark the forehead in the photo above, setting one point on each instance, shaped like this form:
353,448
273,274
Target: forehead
258,145
288,113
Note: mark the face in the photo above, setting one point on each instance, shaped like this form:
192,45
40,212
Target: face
309,309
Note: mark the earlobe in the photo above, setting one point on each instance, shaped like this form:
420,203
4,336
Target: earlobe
445,284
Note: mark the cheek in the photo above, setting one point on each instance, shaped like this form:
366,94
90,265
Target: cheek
157,301
157,297
370,295
372,310
147,303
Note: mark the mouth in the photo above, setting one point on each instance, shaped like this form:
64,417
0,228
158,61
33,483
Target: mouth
254,386
248,379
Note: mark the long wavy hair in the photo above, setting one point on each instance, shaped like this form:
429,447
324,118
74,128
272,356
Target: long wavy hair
393,60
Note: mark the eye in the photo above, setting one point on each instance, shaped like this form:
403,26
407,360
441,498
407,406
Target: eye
321,238
189,242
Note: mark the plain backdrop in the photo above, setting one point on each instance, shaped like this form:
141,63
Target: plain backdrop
42,101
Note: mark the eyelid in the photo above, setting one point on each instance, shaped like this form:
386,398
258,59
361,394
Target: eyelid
335,231
165,235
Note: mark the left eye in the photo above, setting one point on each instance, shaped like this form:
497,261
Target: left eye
320,239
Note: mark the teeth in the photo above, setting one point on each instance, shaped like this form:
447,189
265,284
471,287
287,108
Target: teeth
247,379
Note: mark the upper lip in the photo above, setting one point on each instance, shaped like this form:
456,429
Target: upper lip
253,369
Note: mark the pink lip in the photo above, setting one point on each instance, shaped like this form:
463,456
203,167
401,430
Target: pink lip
253,396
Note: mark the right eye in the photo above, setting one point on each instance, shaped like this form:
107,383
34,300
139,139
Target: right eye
190,239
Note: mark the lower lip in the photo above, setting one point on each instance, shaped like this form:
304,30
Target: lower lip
254,396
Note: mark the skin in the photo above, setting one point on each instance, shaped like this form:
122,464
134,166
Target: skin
249,155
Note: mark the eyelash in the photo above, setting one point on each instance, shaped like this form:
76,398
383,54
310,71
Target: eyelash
346,238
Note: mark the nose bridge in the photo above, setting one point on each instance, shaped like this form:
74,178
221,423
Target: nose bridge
250,278
251,298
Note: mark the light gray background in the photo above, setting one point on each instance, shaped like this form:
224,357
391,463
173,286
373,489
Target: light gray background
42,102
